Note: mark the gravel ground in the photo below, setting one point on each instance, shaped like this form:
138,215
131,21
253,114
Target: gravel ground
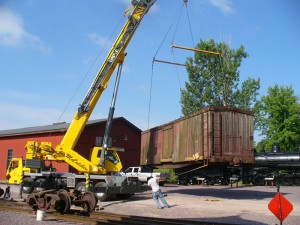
236,205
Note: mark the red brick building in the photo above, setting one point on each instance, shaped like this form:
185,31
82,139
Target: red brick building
123,134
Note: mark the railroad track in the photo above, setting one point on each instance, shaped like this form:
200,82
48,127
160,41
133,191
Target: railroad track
99,218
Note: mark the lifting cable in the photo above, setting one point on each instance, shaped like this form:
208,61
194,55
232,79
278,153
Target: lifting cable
152,71
91,67
154,60
188,17
172,49
173,53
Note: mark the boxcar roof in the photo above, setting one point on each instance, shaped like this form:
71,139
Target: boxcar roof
204,110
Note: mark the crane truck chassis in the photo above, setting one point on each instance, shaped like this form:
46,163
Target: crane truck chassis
96,177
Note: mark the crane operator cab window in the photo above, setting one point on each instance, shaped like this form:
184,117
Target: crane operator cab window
110,156
13,165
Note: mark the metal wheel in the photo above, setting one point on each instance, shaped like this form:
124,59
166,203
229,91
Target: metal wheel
91,200
258,181
31,202
102,196
64,204
37,201
297,181
40,180
28,190
286,181
246,180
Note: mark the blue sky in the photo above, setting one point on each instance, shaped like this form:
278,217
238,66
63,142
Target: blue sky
47,48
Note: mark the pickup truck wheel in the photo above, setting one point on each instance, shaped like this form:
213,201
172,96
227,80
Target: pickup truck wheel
102,196
28,190
80,187
40,180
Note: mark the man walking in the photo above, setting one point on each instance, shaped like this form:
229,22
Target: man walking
156,192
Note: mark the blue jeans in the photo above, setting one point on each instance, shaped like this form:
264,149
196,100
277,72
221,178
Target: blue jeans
158,194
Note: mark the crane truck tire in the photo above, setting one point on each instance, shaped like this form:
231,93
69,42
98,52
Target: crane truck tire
80,187
123,196
28,190
102,196
40,180
1,191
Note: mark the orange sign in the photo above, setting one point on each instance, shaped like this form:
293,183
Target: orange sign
280,206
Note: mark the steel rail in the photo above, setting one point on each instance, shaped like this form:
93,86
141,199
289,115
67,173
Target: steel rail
98,217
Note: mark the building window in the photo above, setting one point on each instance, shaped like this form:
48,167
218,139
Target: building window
9,156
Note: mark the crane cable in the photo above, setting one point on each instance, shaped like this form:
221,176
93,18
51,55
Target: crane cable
153,60
152,69
172,50
188,17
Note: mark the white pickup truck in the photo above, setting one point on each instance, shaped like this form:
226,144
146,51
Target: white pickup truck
144,172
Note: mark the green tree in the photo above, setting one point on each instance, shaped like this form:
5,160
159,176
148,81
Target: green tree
214,79
277,116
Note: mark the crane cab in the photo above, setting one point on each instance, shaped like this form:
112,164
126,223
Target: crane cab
15,170
112,163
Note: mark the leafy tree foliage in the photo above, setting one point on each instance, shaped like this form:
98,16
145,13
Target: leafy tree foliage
214,79
278,118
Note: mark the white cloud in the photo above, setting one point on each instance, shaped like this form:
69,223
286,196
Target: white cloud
224,5
142,88
21,109
14,95
19,116
13,34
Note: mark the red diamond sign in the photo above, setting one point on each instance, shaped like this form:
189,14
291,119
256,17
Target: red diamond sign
280,206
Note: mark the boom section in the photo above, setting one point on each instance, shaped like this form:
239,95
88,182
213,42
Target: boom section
64,152
115,57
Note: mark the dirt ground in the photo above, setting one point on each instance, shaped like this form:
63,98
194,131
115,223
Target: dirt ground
235,205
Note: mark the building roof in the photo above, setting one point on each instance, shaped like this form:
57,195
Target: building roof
55,127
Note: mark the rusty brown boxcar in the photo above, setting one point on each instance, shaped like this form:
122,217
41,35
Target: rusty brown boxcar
213,135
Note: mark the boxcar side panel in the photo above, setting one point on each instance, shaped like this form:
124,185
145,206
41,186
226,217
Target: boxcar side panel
167,148
218,134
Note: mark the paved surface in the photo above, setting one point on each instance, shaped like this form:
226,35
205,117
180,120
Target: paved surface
236,205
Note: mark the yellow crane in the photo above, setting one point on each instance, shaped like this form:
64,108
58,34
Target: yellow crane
98,167
64,151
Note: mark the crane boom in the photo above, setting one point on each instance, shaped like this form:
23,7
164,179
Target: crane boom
64,151
115,56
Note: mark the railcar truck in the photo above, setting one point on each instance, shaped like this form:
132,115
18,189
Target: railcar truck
95,175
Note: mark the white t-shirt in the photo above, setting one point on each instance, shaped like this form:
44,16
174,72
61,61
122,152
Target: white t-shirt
153,183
